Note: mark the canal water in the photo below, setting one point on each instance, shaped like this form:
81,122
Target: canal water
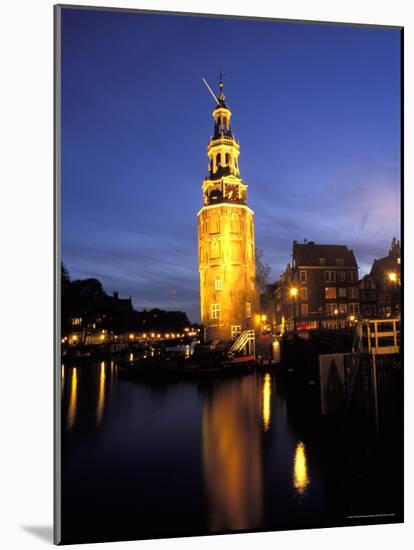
161,458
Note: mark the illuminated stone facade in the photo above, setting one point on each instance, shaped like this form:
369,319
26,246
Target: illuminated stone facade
228,296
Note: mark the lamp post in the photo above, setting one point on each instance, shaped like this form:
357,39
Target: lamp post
393,280
293,294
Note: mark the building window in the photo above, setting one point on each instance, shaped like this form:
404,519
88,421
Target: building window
304,310
227,158
351,276
353,309
235,330
353,292
76,320
363,295
330,293
342,292
303,276
343,309
331,309
215,311
341,276
304,293
339,261
218,284
330,277
248,309
321,261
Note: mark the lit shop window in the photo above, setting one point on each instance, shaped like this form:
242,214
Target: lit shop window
330,293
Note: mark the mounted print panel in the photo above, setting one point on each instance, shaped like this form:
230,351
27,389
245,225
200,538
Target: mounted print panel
228,221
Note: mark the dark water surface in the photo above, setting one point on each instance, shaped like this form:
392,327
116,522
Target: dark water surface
159,458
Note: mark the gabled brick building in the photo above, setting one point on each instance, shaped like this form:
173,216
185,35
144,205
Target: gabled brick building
386,273
325,282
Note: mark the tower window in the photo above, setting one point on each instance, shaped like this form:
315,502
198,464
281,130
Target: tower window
227,158
235,330
248,309
218,284
215,311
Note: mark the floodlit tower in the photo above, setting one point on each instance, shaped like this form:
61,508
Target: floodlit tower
228,296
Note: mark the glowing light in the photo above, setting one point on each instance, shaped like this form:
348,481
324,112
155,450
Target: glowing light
264,317
74,338
293,291
336,312
300,469
131,336
144,335
102,337
158,335
392,277
131,356
352,318
152,335
73,398
101,395
267,392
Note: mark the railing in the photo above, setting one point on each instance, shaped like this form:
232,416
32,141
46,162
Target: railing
245,341
378,336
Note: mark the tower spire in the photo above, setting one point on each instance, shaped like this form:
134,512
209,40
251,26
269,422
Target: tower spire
221,96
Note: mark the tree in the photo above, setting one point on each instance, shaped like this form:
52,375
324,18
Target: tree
64,275
262,272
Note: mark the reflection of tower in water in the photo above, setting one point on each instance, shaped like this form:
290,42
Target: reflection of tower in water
232,456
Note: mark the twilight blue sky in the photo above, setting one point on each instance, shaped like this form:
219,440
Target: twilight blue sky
316,109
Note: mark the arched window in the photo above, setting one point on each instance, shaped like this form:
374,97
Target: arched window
227,159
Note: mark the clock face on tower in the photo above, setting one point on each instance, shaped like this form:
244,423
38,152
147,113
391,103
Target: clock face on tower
232,191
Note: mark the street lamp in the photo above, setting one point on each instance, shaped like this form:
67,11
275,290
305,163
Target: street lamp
392,277
293,293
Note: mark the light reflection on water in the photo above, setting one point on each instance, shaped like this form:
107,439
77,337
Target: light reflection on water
179,457
267,393
247,444
101,394
73,398
301,479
